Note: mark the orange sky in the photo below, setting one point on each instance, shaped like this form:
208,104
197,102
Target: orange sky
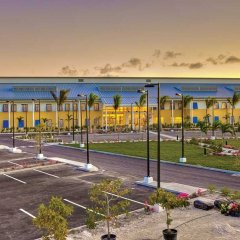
198,38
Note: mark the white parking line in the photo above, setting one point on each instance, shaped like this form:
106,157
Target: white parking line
236,175
29,214
15,164
78,205
14,178
46,173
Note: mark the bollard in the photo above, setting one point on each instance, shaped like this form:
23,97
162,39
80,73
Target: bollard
226,143
205,151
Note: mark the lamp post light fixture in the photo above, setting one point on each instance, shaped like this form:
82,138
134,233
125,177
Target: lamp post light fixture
182,159
147,179
39,155
88,166
82,145
158,133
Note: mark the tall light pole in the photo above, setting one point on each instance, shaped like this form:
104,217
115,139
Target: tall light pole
12,107
39,155
73,124
158,134
131,117
182,159
88,166
26,112
147,179
81,133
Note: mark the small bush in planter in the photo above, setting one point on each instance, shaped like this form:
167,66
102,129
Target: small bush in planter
106,206
168,202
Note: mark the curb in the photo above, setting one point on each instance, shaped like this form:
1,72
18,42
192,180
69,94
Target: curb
162,161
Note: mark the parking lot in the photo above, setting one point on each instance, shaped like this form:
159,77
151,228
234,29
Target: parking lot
22,191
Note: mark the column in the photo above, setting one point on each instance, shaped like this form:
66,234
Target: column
56,116
79,109
106,125
33,111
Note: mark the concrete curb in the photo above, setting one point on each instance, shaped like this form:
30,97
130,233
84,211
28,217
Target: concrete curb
162,161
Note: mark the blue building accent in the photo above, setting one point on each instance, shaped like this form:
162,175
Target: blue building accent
5,124
195,105
195,120
216,118
37,122
21,124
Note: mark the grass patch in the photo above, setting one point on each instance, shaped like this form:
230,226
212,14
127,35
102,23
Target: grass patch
170,151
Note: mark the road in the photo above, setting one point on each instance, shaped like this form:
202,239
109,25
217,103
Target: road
136,168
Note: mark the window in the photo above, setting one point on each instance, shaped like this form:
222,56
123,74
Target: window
179,105
24,107
224,105
5,108
67,107
61,123
195,105
216,118
13,107
96,106
216,105
36,107
195,120
83,106
48,107
60,108
75,107
162,106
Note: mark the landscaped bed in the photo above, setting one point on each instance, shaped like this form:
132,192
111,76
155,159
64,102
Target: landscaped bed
170,151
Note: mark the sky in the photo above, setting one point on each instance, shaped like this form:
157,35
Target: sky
135,38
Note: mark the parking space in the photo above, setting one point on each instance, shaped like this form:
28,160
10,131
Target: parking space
27,188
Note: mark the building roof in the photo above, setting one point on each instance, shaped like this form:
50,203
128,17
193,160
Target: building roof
106,91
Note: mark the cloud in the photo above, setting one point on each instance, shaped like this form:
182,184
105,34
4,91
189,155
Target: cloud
171,54
68,71
108,68
232,59
217,60
156,53
134,62
196,65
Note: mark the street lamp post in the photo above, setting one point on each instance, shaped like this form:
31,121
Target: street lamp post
81,133
88,166
158,133
39,155
131,117
147,179
73,124
12,107
182,159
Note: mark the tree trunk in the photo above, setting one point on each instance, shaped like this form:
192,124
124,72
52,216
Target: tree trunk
115,125
213,121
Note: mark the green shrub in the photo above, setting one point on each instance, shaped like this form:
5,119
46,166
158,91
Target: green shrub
225,191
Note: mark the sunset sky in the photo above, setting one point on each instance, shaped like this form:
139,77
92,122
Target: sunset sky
152,38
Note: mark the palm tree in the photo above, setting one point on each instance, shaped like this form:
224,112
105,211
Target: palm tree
209,104
213,101
69,118
186,100
163,101
140,104
45,122
91,100
233,101
226,128
117,100
226,117
203,127
63,94
215,126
